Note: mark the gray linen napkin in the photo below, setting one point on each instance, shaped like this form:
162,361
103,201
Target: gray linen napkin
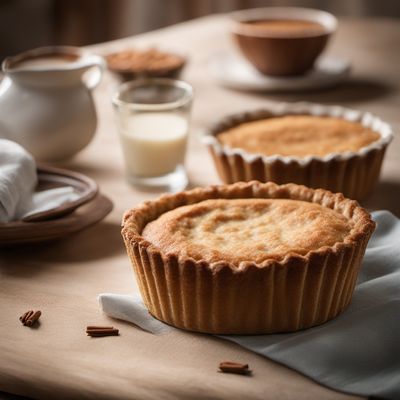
357,352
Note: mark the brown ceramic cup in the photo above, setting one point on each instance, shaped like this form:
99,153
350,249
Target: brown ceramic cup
282,52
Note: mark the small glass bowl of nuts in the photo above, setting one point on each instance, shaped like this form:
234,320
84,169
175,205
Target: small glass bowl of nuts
136,63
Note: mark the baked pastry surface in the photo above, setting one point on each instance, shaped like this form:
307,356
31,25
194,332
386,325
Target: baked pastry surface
252,230
298,135
133,63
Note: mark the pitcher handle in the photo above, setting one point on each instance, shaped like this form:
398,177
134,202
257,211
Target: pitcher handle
95,76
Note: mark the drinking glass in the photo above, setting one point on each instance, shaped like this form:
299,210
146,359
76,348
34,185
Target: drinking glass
152,117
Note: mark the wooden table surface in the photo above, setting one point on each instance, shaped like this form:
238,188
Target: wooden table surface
57,360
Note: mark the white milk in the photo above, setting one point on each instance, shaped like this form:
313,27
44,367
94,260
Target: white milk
153,143
46,62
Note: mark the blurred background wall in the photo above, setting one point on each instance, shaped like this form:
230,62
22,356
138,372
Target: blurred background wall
26,24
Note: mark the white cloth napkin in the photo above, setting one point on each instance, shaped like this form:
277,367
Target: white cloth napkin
18,179
357,352
47,199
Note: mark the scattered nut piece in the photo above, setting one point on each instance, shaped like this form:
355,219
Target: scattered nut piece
100,331
30,317
234,368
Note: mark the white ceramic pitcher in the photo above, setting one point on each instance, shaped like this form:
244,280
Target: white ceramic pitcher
46,104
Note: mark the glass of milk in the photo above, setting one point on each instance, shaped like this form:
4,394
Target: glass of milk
152,117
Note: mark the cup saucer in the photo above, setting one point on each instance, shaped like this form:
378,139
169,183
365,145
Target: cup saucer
231,70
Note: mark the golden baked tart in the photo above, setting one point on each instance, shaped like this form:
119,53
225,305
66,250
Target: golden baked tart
148,63
247,258
326,147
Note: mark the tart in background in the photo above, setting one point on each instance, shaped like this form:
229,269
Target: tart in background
247,258
327,147
150,63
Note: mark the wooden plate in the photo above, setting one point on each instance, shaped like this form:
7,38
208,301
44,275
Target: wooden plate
21,232
50,178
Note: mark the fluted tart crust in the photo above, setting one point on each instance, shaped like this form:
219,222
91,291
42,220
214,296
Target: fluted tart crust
247,258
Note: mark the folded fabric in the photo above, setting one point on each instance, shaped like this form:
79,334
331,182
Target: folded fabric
47,199
357,352
18,179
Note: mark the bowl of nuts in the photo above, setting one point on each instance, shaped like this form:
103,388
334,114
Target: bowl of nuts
136,63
